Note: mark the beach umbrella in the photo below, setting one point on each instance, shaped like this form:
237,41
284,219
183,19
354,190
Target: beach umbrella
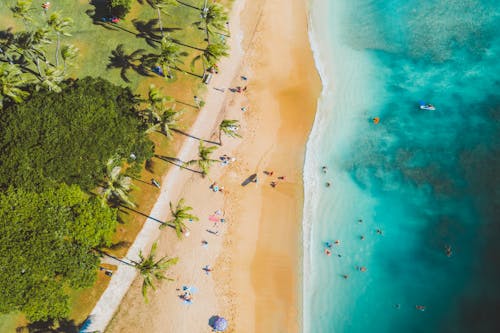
219,324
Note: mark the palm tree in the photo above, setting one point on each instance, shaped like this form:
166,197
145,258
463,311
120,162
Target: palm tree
29,45
11,82
52,79
215,19
155,105
21,10
150,269
120,59
179,214
161,7
204,161
68,52
230,128
167,121
60,26
117,185
168,57
211,55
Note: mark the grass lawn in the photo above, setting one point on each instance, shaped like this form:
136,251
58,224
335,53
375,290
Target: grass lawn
96,40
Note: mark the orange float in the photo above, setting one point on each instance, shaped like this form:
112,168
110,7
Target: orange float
376,120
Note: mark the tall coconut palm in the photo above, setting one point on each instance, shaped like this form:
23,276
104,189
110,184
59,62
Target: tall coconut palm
152,269
21,10
211,55
230,128
215,18
204,162
168,121
52,79
161,7
179,215
30,46
155,105
68,53
117,185
168,57
120,59
60,25
11,83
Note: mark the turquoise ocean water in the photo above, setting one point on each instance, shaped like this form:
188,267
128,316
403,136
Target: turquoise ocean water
425,179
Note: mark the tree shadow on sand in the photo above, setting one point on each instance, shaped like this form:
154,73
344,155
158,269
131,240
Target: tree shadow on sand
177,162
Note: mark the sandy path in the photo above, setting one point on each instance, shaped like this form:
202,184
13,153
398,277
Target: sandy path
256,254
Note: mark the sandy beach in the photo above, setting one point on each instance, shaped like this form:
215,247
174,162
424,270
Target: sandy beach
255,254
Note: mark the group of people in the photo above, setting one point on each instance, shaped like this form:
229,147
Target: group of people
274,183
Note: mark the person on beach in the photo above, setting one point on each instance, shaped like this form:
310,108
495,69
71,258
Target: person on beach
244,78
273,184
281,177
268,173
204,243
207,269
243,108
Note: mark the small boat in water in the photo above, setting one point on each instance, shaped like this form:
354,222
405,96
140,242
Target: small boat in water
424,106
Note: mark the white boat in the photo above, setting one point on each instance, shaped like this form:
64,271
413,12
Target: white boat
429,107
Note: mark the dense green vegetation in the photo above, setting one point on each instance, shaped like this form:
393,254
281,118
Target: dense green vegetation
68,137
46,242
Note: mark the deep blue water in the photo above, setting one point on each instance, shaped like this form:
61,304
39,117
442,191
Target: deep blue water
427,179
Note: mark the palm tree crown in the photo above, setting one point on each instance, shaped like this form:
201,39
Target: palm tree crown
60,25
21,10
11,82
215,19
117,185
212,54
229,127
150,269
204,161
179,215
167,58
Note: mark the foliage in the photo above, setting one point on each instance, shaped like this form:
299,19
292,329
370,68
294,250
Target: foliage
230,128
69,137
11,83
167,58
212,54
119,8
45,245
151,269
204,162
180,214
116,184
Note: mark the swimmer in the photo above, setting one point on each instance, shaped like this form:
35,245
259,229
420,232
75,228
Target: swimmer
362,237
328,252
345,276
362,269
420,307
360,221
379,231
324,169
397,306
329,245
328,184
337,242
448,251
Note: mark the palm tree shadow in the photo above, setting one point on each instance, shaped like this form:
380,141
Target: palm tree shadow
121,60
189,5
147,216
194,137
141,213
50,326
177,162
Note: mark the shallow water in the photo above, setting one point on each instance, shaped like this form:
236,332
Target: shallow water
426,179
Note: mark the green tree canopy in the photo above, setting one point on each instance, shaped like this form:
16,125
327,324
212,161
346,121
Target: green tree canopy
45,246
69,137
